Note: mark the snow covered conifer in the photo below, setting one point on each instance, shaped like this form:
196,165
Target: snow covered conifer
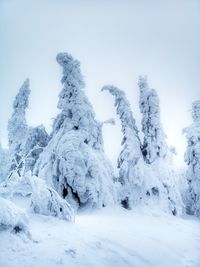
76,111
74,162
131,152
192,158
155,150
142,183
154,145
17,125
25,143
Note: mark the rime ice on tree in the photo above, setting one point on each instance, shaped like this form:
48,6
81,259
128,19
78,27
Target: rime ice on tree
17,125
192,158
142,181
154,145
74,162
131,152
25,143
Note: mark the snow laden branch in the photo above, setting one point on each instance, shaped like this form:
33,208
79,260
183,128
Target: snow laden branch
19,166
46,201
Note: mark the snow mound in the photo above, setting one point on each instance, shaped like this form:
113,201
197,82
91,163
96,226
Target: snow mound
12,217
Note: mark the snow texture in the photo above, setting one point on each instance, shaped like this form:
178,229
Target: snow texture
110,237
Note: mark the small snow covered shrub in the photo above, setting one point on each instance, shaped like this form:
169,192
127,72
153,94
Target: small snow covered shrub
46,201
12,217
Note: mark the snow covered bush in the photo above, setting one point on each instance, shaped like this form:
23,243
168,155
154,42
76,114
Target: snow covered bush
192,158
154,145
74,162
12,217
46,201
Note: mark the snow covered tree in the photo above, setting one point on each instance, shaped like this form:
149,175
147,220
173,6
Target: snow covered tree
131,152
17,125
154,145
4,163
155,150
74,162
76,110
192,158
25,143
142,183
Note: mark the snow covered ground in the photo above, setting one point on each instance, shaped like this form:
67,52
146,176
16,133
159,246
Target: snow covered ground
108,237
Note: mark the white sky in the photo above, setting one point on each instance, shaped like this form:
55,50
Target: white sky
116,41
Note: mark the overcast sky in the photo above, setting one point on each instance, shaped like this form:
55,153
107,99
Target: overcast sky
116,41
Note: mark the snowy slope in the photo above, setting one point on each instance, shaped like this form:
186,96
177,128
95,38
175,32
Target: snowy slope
107,237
